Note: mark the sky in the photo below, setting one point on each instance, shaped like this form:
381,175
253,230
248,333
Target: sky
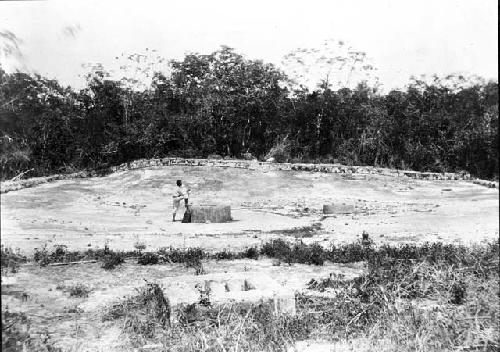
402,38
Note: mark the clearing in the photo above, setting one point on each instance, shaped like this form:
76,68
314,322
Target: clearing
126,207
131,208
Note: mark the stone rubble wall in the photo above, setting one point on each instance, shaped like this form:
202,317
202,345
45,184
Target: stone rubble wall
8,186
266,166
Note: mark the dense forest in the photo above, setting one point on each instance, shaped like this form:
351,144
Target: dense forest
226,104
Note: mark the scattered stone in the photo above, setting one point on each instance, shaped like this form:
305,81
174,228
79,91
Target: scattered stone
248,156
487,184
152,346
215,157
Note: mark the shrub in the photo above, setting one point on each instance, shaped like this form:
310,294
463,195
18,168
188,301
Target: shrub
348,253
148,259
277,249
42,256
79,290
248,156
59,252
251,253
13,330
140,246
305,254
299,253
280,151
111,261
10,260
194,256
316,255
148,305
189,256
225,255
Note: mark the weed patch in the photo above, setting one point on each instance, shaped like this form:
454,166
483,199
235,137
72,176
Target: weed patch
297,253
16,335
75,290
301,232
148,259
144,315
420,298
10,260
111,261
79,290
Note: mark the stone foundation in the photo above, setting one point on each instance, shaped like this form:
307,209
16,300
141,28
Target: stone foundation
230,287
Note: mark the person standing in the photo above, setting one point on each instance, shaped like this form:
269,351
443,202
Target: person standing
181,193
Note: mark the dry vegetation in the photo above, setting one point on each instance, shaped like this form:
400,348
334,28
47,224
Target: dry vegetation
429,297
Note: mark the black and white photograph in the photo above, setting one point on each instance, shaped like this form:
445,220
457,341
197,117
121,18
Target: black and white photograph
249,176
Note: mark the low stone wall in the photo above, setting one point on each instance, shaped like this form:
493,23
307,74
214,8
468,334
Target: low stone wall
256,165
8,186
485,183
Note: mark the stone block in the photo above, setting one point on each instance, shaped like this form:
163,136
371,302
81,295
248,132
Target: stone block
210,213
338,209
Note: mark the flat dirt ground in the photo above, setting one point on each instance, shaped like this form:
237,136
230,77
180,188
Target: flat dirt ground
135,206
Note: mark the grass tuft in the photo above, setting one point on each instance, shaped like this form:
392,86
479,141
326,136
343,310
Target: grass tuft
79,290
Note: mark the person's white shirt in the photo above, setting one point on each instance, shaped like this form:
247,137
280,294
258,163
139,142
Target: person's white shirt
183,192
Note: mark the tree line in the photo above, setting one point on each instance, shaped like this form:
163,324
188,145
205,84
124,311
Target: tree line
225,104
